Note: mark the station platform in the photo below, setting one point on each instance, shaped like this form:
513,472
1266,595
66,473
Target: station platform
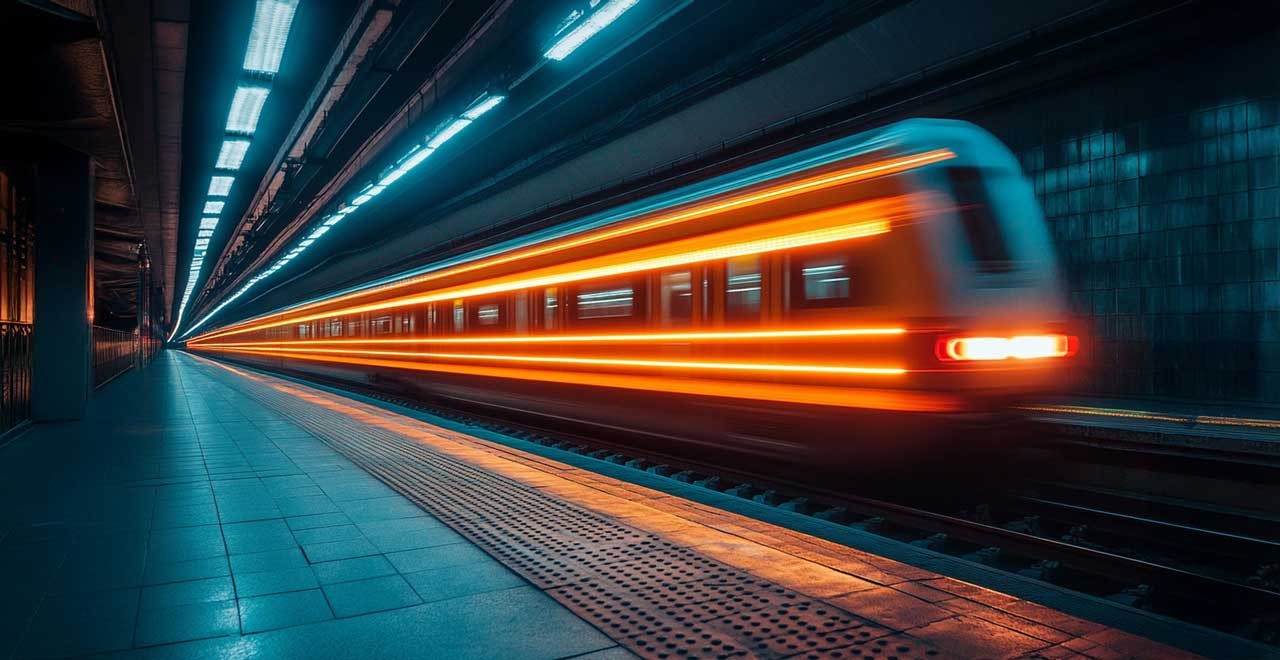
204,510
1224,429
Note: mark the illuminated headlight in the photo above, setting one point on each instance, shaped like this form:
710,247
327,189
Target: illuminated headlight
1018,347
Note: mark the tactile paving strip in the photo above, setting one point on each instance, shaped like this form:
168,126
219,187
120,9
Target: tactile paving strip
658,599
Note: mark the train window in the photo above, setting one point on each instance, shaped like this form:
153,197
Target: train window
550,306
677,298
830,280
355,327
487,314
381,325
406,323
335,328
973,205
606,301
521,312
825,279
304,330
742,288
459,316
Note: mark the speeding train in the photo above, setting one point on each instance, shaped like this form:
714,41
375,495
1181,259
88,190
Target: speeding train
880,288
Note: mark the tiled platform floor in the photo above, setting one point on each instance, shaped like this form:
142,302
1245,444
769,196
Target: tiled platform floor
181,510
195,514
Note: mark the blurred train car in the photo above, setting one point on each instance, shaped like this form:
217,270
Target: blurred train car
889,286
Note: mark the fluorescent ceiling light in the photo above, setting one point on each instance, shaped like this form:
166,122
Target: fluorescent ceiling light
334,220
307,242
414,159
448,133
202,243
270,32
232,154
246,108
361,199
407,164
213,206
588,28
484,106
320,231
220,186
392,177
208,223
204,233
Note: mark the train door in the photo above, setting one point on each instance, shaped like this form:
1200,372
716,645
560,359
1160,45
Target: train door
675,299
551,309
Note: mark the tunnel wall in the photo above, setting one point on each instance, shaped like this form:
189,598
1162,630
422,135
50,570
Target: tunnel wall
1160,187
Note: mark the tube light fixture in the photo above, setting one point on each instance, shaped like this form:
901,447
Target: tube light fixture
202,243
392,176
448,133
269,34
246,108
232,154
414,159
208,223
482,106
220,186
204,233
593,24
214,206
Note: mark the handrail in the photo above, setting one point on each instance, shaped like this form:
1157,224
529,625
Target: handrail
15,374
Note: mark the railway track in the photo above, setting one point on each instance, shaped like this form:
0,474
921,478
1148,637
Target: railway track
1121,546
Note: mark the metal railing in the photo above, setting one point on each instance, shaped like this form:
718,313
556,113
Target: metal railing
15,374
114,352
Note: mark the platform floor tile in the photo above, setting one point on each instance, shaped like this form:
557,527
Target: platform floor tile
182,519
663,575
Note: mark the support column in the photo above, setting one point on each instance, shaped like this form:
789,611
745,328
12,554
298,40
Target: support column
140,307
62,350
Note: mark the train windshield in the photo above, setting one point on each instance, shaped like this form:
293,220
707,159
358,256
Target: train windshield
973,204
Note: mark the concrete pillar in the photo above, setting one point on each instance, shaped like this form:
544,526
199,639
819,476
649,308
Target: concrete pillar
140,295
62,341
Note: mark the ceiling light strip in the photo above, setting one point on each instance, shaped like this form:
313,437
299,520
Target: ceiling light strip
272,20
416,156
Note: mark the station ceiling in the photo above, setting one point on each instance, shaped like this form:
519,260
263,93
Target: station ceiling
363,82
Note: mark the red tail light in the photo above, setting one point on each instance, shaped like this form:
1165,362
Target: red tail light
1018,347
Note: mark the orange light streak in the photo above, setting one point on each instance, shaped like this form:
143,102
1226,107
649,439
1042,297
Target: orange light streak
624,337
803,186
765,367
845,397
842,223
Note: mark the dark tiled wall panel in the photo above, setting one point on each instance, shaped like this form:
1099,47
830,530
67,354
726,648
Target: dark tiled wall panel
1161,188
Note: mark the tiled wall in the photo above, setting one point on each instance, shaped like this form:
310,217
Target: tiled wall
1160,186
